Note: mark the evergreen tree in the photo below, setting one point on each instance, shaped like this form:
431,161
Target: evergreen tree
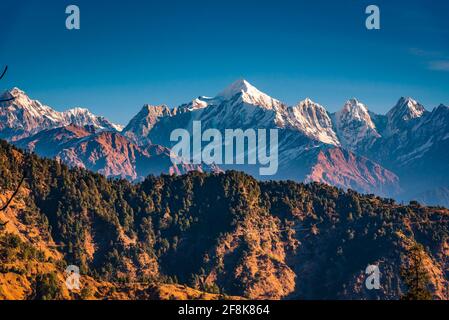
415,276
47,287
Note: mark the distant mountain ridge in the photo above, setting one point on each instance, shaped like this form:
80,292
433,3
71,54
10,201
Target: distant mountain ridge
399,154
23,117
226,234
106,152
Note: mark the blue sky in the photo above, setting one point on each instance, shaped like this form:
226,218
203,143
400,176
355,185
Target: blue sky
135,52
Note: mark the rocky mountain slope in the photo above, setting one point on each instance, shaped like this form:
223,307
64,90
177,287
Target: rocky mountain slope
418,151
105,152
139,127
226,233
22,117
304,131
407,146
401,154
355,127
341,168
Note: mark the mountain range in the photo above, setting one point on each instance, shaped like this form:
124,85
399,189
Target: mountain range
403,154
209,236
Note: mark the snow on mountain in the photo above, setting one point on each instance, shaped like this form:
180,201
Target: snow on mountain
426,135
241,105
437,121
311,119
350,148
247,93
405,110
82,117
304,131
354,126
239,93
23,117
139,127
415,146
308,117
199,103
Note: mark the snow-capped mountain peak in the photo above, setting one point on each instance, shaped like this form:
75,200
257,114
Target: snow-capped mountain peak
238,86
248,94
23,116
312,143
312,119
77,111
199,103
354,110
308,101
22,101
406,109
354,125
82,117
16,92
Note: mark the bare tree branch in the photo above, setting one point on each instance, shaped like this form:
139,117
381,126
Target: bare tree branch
4,71
6,100
13,195
3,74
25,171
3,208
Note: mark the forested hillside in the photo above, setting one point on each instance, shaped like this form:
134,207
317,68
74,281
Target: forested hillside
224,233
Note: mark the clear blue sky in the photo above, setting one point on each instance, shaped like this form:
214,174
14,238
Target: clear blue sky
128,53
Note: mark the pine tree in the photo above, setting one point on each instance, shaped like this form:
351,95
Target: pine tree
415,276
